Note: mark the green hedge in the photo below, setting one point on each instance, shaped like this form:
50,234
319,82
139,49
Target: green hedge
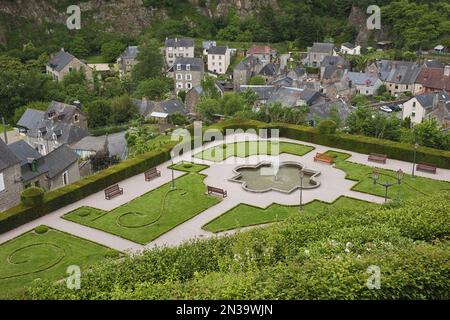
361,144
59,198
32,197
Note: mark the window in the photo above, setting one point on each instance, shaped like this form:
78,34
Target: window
181,48
213,57
179,85
220,57
220,63
76,118
188,85
179,76
213,63
414,104
65,178
396,87
189,77
170,48
178,66
170,55
413,114
2,182
188,67
187,54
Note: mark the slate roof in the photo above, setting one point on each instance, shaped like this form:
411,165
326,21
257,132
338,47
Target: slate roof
59,160
299,71
426,99
334,61
217,50
59,60
27,154
65,131
247,63
180,42
145,108
130,52
196,64
30,118
434,78
359,78
270,70
349,45
320,47
208,44
285,81
172,106
401,72
323,108
264,92
433,64
8,158
290,97
117,144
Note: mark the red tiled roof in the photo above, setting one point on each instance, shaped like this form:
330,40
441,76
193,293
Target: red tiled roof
434,78
259,50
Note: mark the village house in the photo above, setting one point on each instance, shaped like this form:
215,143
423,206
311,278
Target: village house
219,59
54,170
433,79
332,69
263,53
127,60
62,63
193,96
10,178
318,52
362,83
114,144
350,49
263,93
245,70
398,76
159,111
60,124
270,72
178,48
298,74
432,105
187,73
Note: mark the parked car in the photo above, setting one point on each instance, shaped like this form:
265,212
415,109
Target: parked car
395,108
386,109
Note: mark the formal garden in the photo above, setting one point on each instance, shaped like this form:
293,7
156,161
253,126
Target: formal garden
44,253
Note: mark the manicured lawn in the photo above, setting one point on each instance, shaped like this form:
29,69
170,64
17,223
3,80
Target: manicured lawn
46,256
409,188
245,215
188,166
249,148
149,216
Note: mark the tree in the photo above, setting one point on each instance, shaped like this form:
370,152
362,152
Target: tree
153,89
327,127
111,50
150,62
209,87
249,97
99,113
257,81
122,109
177,119
207,107
231,103
428,133
79,47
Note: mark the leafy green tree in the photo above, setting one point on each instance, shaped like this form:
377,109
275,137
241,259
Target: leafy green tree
178,119
79,47
428,133
122,110
257,81
209,87
327,127
207,107
99,113
111,50
153,89
150,62
231,103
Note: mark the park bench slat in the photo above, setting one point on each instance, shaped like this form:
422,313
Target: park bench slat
217,191
323,158
113,191
151,174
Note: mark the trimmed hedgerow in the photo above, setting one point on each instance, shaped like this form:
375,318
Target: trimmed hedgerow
31,197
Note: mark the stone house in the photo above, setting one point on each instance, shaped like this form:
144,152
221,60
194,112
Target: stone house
246,69
62,63
318,52
432,105
263,93
178,48
263,53
332,69
433,79
187,73
127,60
159,111
60,124
362,83
219,59
10,184
54,170
270,72
398,76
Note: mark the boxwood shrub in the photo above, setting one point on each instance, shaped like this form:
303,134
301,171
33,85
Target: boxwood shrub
32,197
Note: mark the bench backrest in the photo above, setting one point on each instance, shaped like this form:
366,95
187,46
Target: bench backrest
324,156
150,171
378,155
424,164
215,189
112,188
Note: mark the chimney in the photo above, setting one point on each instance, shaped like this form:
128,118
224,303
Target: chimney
62,49
447,71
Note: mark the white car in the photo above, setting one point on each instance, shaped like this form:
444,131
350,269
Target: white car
386,109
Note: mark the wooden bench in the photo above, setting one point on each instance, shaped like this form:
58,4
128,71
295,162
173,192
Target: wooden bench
376,157
217,191
426,167
151,174
323,158
113,191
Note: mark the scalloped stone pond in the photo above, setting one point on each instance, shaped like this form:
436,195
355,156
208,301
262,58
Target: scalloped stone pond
264,177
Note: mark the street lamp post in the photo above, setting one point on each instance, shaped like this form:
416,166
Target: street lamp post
387,185
416,145
173,175
301,175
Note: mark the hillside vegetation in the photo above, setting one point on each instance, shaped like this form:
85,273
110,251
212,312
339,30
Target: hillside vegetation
315,255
